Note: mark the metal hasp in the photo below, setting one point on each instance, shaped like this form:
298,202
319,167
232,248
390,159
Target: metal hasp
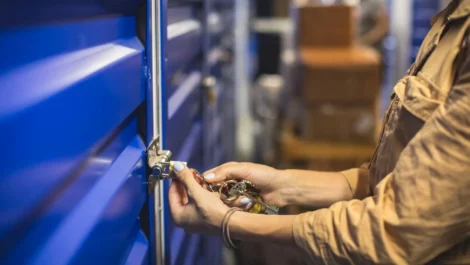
158,161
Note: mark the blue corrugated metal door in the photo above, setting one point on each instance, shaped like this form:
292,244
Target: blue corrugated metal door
183,130
197,129
72,87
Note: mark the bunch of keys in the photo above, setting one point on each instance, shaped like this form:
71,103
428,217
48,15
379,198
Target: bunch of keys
231,190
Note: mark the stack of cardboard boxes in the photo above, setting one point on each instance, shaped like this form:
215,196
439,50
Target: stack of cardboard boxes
338,95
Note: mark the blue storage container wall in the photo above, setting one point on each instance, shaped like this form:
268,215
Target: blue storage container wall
182,129
219,113
72,121
73,176
198,130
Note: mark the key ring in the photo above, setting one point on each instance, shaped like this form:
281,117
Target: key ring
229,193
225,189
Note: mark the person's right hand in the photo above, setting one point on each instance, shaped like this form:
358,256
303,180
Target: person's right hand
268,180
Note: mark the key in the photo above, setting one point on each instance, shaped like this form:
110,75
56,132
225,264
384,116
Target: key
247,189
231,190
202,182
258,206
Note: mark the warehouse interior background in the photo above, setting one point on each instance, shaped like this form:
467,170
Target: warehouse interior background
283,83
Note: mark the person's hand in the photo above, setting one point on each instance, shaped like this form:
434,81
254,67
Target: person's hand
194,208
268,180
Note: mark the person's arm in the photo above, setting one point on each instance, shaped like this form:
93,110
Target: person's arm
294,187
317,189
418,211
379,30
263,228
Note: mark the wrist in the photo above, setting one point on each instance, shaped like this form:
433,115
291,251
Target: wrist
315,189
217,219
287,188
262,228
226,228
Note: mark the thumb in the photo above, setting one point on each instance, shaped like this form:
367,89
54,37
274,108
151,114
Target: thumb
186,176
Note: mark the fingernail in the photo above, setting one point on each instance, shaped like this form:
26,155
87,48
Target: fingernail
245,201
210,176
178,166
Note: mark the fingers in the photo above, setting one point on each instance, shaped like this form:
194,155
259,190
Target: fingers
177,198
186,176
242,202
215,168
226,171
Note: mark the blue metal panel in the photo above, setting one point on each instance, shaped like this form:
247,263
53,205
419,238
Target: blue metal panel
73,175
220,23
26,12
192,147
189,257
176,238
104,217
208,251
183,109
72,84
139,252
185,134
215,27
184,29
75,202
45,106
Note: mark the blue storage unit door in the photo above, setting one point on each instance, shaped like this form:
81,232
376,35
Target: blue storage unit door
219,112
73,178
182,118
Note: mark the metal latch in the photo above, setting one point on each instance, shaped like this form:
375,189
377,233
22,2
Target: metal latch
159,161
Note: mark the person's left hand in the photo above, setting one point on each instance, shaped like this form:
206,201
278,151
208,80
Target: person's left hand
194,208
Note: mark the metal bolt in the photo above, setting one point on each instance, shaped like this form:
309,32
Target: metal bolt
157,171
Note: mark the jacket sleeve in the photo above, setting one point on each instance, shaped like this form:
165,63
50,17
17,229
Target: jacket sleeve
358,180
418,211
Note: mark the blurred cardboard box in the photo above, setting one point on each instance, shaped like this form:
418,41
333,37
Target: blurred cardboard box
353,124
326,26
294,149
348,75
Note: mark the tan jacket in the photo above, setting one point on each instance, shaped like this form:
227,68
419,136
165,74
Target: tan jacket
412,202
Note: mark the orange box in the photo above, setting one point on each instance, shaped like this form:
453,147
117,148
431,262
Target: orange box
344,75
326,26
342,124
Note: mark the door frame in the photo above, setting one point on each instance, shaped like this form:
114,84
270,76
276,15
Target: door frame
155,43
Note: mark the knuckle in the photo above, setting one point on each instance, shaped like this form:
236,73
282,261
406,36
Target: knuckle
185,174
232,163
226,167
